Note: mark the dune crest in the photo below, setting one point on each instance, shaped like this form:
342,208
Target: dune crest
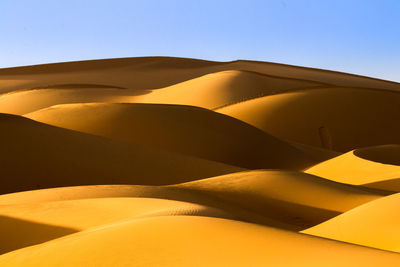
162,161
135,243
341,119
182,129
61,157
379,227
293,197
375,167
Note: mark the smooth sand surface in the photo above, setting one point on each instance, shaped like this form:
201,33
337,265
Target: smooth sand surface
19,223
226,87
379,228
137,191
182,129
161,161
334,118
159,72
294,197
36,155
375,167
25,101
188,241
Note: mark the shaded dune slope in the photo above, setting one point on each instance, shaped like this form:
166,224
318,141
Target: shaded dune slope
334,118
183,129
58,157
34,197
24,101
132,73
158,72
223,88
209,91
293,197
65,217
286,199
162,161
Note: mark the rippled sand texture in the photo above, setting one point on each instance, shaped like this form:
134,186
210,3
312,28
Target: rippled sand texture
163,161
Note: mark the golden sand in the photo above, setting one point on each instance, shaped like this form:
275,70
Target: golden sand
163,161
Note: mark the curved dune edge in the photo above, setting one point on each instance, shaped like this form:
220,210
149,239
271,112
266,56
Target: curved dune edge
293,197
225,87
25,101
134,243
35,197
171,161
333,118
374,224
59,157
285,199
158,72
352,168
34,223
183,129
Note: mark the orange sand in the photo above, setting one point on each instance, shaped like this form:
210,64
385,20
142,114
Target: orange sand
163,161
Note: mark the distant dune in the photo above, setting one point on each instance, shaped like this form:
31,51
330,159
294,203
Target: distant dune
182,129
226,87
161,161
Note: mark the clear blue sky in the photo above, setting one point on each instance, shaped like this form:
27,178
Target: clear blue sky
357,36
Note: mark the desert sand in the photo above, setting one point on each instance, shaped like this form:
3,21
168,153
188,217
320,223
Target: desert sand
161,161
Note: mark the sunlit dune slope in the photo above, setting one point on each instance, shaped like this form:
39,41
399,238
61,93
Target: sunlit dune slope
158,72
183,129
338,118
35,155
375,167
132,73
374,224
223,88
290,200
162,161
188,241
209,91
34,197
20,223
25,101
293,197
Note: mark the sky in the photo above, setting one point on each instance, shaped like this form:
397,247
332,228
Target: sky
355,36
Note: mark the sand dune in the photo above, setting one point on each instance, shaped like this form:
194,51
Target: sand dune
334,118
291,200
189,241
158,72
225,87
374,224
182,129
132,73
37,155
162,161
78,215
293,197
138,191
24,101
374,167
